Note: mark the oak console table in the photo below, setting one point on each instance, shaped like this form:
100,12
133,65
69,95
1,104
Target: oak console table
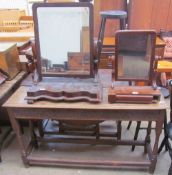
18,109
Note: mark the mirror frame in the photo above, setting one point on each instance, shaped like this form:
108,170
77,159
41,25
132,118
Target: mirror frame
151,74
35,7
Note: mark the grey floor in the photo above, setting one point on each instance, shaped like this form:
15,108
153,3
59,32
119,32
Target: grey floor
12,164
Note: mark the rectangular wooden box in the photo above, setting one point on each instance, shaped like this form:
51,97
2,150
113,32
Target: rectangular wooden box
133,94
9,59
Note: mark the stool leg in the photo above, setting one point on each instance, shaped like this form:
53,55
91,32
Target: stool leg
119,128
122,24
41,128
147,140
136,133
101,37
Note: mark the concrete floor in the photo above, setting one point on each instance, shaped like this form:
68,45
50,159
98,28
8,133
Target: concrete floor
13,165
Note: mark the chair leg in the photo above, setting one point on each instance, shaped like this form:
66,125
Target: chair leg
170,153
136,133
163,143
170,170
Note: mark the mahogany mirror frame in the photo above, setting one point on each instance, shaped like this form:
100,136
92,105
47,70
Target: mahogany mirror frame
37,39
152,64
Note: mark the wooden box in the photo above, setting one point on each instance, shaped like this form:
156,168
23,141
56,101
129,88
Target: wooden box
133,94
9,59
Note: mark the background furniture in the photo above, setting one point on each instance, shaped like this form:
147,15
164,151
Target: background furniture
111,25
9,59
105,16
6,90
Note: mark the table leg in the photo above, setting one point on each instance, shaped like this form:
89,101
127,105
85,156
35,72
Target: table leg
158,129
17,130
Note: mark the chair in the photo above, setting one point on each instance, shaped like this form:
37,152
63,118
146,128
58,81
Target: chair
169,136
135,60
168,131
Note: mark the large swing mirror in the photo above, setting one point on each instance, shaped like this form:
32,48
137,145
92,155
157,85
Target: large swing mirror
63,38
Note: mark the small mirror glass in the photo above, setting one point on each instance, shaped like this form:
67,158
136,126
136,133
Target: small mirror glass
63,34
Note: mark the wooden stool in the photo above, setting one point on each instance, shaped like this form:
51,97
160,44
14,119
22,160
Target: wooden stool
113,14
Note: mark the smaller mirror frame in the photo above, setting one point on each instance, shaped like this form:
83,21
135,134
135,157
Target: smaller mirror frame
36,6
123,33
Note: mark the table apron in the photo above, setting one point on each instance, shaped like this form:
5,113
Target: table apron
87,114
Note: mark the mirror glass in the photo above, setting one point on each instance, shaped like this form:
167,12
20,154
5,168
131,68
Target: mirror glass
134,58
63,39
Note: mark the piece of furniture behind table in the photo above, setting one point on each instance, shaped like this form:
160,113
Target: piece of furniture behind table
9,59
6,90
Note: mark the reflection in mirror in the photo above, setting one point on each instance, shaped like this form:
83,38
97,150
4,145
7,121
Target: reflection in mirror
134,55
63,33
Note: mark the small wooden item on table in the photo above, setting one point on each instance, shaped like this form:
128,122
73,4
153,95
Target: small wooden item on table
65,92
133,94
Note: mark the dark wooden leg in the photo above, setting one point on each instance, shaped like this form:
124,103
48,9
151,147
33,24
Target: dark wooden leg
147,139
136,133
33,135
122,24
100,38
119,128
40,128
129,124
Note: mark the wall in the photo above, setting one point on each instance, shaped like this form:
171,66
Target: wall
13,4
111,25
150,14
